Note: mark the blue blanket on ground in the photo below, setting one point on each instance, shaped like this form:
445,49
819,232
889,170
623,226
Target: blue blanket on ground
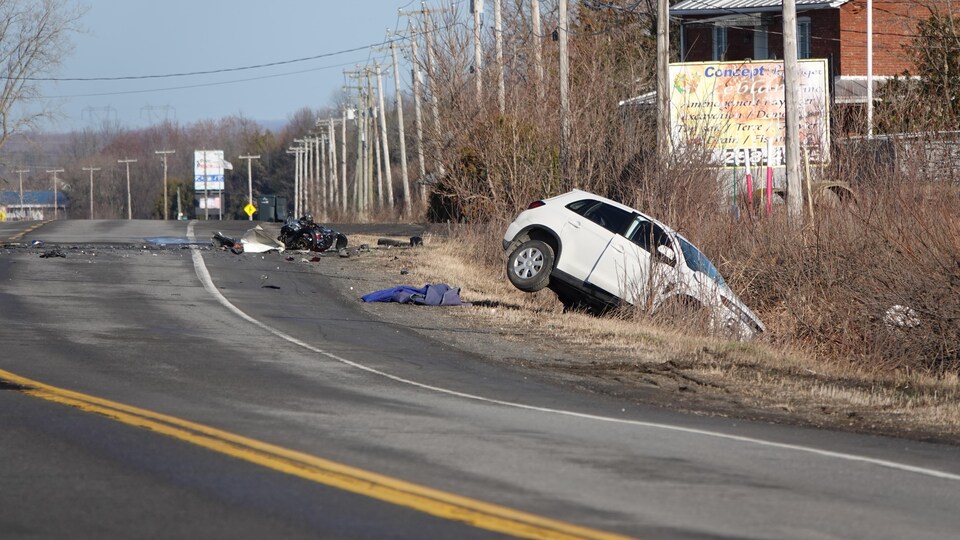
439,294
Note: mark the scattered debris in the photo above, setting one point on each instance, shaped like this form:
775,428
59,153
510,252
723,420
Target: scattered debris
364,248
256,240
390,242
901,317
439,294
53,253
269,287
226,242
416,241
404,271
344,254
36,243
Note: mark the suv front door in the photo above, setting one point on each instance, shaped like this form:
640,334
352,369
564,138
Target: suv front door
586,235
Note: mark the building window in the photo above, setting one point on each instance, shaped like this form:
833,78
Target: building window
803,37
761,48
719,42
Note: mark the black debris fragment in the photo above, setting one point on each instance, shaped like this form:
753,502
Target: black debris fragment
53,253
227,242
416,241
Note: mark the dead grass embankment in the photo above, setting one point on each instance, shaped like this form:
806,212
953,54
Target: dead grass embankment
831,356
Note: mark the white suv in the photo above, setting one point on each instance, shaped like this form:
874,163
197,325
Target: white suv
598,253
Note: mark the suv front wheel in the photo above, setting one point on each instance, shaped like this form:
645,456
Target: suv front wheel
529,265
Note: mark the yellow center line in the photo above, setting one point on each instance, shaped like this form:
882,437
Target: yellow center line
19,236
370,484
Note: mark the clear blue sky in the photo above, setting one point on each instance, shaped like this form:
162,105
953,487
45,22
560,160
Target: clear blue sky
125,38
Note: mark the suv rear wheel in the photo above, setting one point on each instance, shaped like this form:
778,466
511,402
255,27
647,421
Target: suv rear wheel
529,265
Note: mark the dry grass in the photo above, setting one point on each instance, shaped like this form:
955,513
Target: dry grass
775,375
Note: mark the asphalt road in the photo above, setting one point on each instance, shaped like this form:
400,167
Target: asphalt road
268,406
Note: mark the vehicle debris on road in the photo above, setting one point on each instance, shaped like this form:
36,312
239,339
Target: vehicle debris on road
227,242
256,240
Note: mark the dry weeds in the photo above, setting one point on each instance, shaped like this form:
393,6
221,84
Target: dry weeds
766,379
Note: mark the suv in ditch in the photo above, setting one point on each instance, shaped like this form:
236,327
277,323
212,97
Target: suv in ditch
597,253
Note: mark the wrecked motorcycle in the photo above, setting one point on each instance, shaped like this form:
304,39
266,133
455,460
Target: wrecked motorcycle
305,235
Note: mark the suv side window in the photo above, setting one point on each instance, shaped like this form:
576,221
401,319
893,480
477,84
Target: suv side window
649,236
609,217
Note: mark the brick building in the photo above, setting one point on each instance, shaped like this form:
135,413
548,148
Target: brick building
835,30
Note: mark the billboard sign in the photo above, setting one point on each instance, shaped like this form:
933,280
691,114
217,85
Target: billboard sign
733,108
208,170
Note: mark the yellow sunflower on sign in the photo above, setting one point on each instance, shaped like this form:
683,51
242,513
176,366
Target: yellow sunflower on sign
686,84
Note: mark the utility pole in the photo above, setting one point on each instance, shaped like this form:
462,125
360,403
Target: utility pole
166,205
305,171
792,120
377,159
476,6
249,159
869,70
418,114
320,174
297,151
498,40
343,161
56,202
384,145
663,85
431,74
332,187
537,44
321,141
23,213
298,178
332,150
564,98
127,162
398,103
91,169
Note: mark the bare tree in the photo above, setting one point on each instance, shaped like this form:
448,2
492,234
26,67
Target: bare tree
34,39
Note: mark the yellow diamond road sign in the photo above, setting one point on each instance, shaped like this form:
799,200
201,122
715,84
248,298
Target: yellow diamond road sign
3,215
250,209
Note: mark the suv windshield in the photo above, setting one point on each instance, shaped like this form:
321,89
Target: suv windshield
698,262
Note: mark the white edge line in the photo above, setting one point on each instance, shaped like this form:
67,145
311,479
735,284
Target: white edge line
204,275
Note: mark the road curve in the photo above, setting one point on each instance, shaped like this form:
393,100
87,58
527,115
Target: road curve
257,347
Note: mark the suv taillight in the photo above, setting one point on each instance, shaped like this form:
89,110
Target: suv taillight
535,204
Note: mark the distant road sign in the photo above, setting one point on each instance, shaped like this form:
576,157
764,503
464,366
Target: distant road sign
3,215
250,209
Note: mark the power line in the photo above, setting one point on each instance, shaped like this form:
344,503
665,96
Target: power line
195,73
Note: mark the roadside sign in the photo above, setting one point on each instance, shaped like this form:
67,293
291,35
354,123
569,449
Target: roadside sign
250,209
736,110
3,215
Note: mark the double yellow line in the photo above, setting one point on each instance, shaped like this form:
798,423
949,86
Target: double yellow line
424,499
19,236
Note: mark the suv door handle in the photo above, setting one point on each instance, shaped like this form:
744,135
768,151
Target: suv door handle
574,223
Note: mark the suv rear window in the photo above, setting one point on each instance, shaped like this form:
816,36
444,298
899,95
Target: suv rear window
609,217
